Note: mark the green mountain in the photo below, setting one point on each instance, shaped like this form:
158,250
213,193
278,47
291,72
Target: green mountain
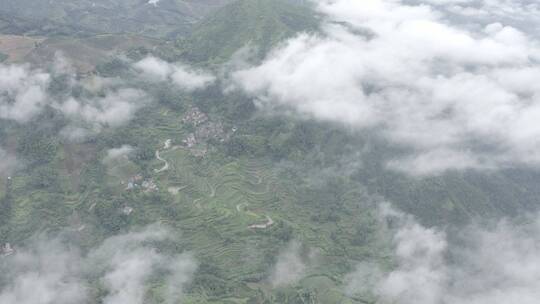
256,23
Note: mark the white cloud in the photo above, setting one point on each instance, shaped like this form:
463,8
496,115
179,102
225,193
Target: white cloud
112,107
501,265
440,160
421,273
22,92
130,261
290,266
46,274
185,77
444,88
484,266
116,108
181,271
118,153
520,13
155,67
128,275
50,271
107,102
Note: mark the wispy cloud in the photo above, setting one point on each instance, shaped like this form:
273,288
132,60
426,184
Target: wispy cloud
290,266
116,154
483,265
90,105
53,271
23,92
114,109
181,75
129,260
46,273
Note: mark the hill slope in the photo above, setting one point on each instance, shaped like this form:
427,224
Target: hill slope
162,19
259,23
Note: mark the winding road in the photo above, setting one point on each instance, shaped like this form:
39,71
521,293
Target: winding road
269,222
166,163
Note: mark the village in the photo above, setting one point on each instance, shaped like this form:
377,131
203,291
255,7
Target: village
195,142
139,182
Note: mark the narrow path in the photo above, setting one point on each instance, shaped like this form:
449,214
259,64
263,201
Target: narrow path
196,202
212,191
165,166
165,162
238,206
175,190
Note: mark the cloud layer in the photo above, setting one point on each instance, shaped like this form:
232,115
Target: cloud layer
99,103
22,92
484,266
47,273
116,154
51,271
290,266
114,109
461,93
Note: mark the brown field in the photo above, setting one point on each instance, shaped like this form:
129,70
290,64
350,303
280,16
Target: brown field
83,53
17,47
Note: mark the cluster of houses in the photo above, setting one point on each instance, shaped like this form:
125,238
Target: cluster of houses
190,141
138,182
149,186
212,130
205,130
195,117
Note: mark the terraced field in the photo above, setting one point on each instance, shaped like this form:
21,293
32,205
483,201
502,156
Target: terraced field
234,213
225,200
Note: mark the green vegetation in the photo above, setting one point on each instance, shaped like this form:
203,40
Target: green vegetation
81,17
260,24
211,200
236,198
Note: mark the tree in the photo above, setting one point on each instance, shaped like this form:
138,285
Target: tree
37,147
